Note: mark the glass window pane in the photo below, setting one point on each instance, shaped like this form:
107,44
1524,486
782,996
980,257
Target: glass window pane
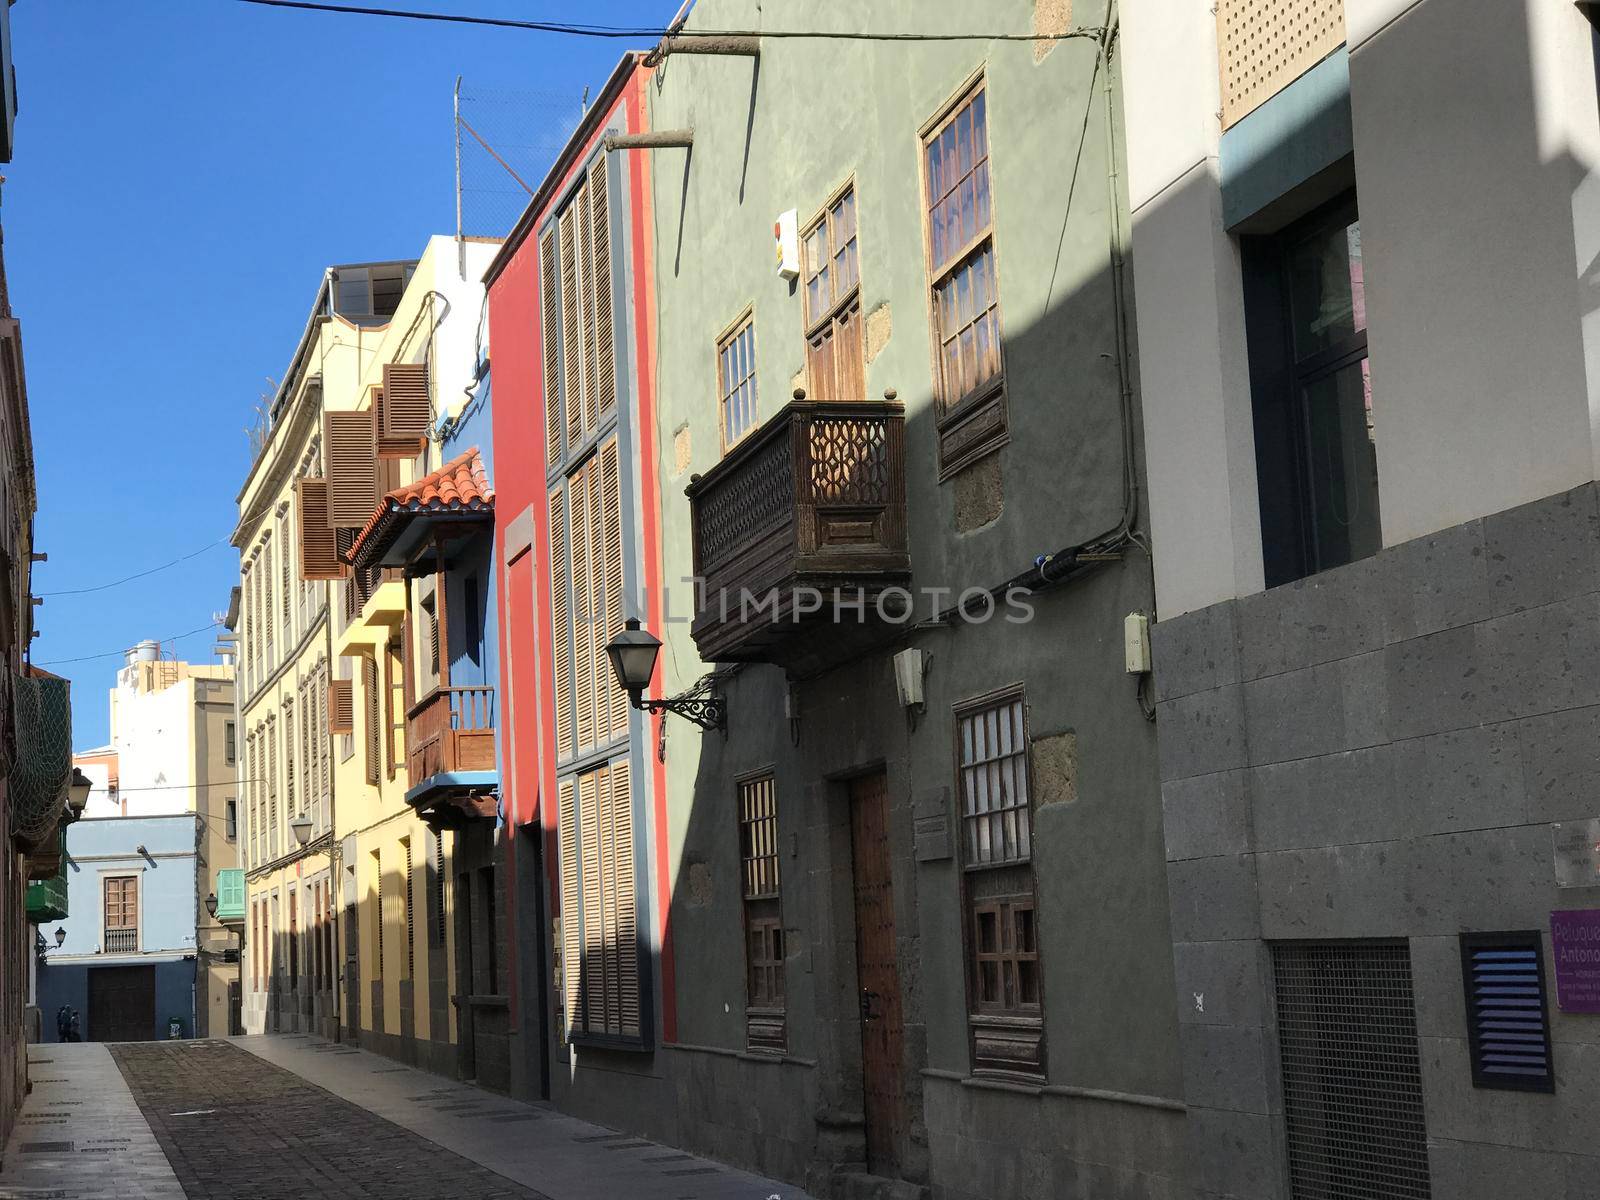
935,169
980,179
969,226
980,122
1344,466
1327,297
963,130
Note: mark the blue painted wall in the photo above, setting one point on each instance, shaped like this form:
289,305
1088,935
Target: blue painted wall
108,846
470,585
68,983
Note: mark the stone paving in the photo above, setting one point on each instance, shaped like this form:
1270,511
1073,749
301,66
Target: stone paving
296,1118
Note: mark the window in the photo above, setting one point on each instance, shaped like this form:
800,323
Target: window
411,927
599,907
230,809
579,333
294,937
1347,1040
438,888
968,380
1005,986
1311,391
736,380
491,931
763,914
1508,1028
834,367
121,910
369,689
377,910
230,743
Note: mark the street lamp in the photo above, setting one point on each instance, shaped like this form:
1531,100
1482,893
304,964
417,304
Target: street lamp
301,828
78,793
211,905
61,936
633,658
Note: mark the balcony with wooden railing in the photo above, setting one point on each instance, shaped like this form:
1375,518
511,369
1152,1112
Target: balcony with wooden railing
450,730
801,526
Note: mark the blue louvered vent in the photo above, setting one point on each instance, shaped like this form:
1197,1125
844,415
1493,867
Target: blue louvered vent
1506,1022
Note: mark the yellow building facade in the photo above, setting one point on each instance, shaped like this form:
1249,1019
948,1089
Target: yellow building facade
287,757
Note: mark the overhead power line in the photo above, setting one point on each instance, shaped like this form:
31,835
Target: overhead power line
101,587
615,32
177,637
181,787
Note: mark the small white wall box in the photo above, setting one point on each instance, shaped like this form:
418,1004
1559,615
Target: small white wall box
1136,642
908,677
786,234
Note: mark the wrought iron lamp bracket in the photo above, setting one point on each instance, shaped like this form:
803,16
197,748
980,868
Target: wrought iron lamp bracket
699,704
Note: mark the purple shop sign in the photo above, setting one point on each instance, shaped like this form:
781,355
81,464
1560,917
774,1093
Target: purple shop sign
1575,938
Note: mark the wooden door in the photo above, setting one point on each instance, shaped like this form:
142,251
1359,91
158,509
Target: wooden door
122,1004
877,979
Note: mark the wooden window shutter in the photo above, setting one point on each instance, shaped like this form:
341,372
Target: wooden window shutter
550,298
341,706
586,297
285,576
291,739
605,376
622,904
594,989
582,605
369,687
319,553
571,331
352,457
266,591
407,406
321,728
562,622
571,912
614,698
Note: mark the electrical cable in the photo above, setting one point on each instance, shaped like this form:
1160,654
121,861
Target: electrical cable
179,787
101,587
178,637
573,29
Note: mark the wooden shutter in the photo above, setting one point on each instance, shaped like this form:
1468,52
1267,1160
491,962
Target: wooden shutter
605,374
562,623
350,443
550,298
571,331
369,685
594,925
613,699
285,576
267,605
407,408
622,904
571,913
321,730
319,554
586,297
291,738
583,604
341,706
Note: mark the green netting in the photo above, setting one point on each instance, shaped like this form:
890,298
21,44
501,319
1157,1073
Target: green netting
43,766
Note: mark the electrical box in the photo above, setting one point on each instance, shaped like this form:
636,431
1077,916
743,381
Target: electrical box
786,235
908,677
1136,643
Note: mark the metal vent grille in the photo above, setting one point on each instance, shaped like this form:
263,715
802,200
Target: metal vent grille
1506,1024
1352,1079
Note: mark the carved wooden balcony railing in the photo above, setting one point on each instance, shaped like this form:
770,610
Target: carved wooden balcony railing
450,729
801,525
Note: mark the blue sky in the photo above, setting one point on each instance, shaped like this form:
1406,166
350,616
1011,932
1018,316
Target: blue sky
184,169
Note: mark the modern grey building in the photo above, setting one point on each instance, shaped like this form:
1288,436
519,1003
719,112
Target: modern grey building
1365,239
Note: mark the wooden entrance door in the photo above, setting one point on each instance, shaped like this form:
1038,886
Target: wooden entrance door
878,981
122,1004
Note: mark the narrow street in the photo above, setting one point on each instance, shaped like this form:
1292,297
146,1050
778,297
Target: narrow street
298,1118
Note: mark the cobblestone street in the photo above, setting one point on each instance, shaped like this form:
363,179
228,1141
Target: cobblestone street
297,1118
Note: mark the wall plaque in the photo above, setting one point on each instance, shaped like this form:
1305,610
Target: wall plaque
1575,942
1577,853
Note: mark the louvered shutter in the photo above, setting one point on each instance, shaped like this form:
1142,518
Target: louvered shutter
586,297
285,576
407,408
623,903
319,555
1507,1025
254,794
351,450
322,731
571,331
291,736
605,373
611,549
266,592
562,622
550,298
582,607
571,914
341,706
594,947
369,686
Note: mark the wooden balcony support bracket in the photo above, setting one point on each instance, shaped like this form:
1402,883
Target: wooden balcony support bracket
741,45
656,139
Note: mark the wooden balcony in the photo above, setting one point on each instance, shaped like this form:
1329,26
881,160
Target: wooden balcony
801,527
450,729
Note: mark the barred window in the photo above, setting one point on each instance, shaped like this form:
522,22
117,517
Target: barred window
997,822
763,914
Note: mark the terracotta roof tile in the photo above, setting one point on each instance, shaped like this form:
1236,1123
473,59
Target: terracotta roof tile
461,485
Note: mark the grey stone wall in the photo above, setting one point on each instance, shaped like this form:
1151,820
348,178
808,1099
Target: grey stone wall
1379,752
